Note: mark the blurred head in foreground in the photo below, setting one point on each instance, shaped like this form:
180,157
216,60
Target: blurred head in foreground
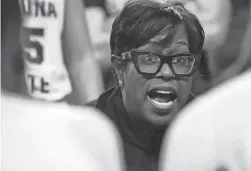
156,50
213,133
39,136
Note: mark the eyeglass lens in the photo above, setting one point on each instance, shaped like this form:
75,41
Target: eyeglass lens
150,63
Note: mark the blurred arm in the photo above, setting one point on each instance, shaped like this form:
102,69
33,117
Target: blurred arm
95,18
99,27
214,16
84,71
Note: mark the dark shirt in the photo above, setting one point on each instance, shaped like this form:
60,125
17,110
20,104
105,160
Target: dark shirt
141,147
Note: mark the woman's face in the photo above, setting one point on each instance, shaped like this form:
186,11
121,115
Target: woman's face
155,100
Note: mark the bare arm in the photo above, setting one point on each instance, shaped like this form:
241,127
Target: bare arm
78,52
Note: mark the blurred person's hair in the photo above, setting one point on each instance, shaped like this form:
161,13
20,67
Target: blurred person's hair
141,20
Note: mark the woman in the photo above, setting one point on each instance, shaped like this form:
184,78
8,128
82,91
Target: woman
156,52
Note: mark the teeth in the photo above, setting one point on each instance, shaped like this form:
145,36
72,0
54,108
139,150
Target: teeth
162,105
163,92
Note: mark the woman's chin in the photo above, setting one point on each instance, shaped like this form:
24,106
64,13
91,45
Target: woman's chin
160,114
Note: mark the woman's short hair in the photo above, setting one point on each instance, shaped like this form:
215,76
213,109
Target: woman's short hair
140,20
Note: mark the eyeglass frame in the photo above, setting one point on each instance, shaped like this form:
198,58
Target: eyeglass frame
163,59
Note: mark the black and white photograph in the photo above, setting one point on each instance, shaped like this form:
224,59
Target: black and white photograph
125,85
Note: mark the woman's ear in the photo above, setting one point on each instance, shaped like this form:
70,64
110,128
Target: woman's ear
118,63
119,67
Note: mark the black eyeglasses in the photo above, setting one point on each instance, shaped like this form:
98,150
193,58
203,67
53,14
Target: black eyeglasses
149,64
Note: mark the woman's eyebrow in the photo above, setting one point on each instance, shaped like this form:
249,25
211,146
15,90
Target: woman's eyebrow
180,42
178,47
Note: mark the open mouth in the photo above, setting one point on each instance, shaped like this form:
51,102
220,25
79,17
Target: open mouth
163,99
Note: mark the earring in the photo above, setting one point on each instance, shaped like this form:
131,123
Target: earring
121,84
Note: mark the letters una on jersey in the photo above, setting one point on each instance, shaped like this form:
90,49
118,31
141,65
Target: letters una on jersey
45,73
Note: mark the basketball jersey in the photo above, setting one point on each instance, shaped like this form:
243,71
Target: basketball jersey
45,72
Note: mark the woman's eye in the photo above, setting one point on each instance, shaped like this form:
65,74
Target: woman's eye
150,59
180,61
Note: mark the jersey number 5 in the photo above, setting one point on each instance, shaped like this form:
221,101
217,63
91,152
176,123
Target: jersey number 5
27,42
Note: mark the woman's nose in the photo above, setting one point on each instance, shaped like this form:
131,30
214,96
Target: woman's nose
165,72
